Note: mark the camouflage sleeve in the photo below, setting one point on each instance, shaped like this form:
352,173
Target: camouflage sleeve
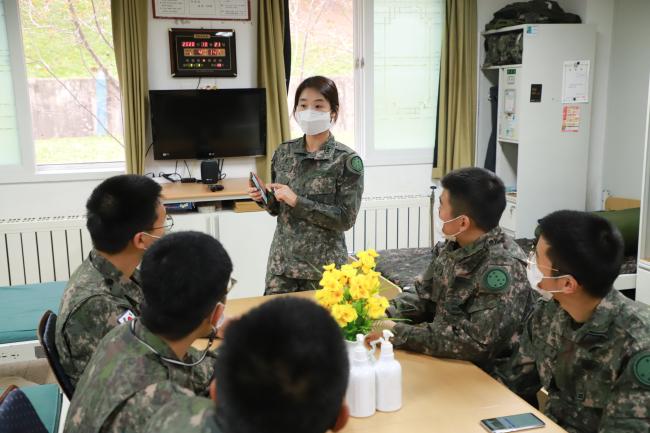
628,408
273,206
477,331
340,216
519,373
415,303
84,330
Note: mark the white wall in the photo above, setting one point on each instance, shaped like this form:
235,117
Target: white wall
393,180
627,93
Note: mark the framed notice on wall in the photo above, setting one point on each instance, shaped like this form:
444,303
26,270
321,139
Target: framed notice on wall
202,53
223,10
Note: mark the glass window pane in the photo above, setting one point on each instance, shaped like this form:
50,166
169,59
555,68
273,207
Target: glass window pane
406,68
72,79
322,44
9,144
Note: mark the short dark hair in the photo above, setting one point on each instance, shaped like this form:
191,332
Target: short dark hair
477,193
325,87
584,245
184,275
283,367
120,207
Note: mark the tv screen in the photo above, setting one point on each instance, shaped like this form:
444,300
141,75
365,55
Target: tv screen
204,124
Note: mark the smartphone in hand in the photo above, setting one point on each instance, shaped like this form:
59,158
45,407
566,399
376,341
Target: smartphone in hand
257,184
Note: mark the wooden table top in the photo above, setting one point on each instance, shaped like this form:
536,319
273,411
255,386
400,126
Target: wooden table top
232,189
439,395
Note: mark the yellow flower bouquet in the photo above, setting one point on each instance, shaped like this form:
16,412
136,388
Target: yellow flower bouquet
351,294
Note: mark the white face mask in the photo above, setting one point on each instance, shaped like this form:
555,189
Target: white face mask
314,122
439,224
535,277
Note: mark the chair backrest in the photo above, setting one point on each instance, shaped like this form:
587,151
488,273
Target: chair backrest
46,329
17,415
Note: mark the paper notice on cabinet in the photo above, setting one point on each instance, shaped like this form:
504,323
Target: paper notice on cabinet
575,82
571,118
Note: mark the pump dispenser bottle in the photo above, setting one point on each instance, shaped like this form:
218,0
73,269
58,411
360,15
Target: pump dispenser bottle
388,377
361,395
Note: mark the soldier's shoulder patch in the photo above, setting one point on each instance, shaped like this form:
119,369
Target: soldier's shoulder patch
495,279
354,163
641,368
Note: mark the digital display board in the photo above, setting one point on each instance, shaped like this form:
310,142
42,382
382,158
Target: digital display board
202,53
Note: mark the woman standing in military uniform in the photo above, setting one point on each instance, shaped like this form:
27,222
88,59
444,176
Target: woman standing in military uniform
316,190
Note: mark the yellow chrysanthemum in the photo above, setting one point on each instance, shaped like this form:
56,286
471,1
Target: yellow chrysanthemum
344,314
329,297
359,287
330,281
372,253
329,267
377,307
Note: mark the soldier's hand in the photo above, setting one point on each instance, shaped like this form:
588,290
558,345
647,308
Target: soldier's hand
254,194
283,193
370,337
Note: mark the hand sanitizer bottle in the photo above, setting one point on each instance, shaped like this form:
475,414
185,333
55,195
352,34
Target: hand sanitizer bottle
389,377
361,396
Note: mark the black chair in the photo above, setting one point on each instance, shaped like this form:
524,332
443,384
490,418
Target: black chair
17,414
46,336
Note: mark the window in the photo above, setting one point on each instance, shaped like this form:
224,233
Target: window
60,106
72,81
384,56
10,148
322,44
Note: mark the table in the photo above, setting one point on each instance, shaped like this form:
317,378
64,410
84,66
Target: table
440,395
236,188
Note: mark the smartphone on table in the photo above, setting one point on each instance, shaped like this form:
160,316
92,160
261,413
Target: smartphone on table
512,423
255,183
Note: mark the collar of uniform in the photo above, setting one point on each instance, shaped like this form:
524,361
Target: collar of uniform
153,340
325,152
603,316
110,273
492,237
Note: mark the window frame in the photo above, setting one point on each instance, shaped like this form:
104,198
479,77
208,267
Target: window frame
364,97
27,170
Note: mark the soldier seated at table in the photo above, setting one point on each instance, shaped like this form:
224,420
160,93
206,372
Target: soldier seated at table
142,364
587,345
472,300
283,367
124,218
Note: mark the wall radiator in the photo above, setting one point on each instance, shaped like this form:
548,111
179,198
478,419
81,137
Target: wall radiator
34,250
391,222
44,249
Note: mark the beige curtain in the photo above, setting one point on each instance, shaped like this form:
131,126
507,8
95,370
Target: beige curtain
457,100
129,19
271,75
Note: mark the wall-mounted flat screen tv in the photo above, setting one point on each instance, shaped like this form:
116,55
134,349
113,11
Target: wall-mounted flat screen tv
203,124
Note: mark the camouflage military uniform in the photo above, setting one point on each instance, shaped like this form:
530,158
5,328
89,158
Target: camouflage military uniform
186,415
329,186
96,300
125,382
470,303
597,374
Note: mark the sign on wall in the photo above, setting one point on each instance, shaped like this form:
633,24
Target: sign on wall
235,10
202,53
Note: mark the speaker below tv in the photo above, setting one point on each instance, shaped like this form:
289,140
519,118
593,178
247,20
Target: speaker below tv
205,124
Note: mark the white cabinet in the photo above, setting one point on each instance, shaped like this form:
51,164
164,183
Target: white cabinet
247,237
197,222
543,164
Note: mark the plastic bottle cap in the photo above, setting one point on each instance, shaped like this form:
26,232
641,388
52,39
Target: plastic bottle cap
360,353
386,345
